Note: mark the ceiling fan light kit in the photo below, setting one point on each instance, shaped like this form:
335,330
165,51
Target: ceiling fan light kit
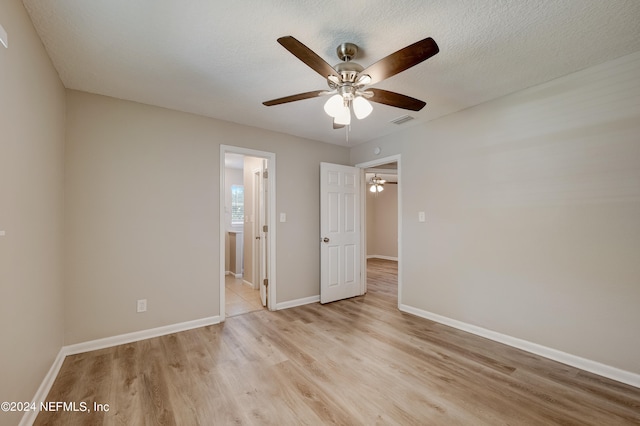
347,80
376,184
343,117
362,107
376,188
334,106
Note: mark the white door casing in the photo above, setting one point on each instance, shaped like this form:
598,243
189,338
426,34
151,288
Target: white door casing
270,242
375,163
340,242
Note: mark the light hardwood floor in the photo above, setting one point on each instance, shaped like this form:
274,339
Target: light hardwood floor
353,362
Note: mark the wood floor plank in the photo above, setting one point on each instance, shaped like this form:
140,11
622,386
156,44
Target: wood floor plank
355,362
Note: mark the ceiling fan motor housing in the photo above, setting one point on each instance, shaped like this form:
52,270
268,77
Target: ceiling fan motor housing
348,71
347,51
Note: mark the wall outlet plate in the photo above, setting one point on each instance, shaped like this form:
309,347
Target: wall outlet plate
141,305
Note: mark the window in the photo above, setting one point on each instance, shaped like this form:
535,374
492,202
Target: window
237,204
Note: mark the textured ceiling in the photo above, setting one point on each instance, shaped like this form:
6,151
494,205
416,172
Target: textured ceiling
221,59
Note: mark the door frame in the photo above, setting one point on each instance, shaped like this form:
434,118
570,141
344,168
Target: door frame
271,222
363,218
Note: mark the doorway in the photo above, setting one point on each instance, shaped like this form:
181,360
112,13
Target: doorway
382,216
247,230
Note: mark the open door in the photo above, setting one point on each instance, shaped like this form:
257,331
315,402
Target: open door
263,213
263,231
340,252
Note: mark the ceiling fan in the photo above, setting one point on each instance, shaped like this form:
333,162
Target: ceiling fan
349,81
376,184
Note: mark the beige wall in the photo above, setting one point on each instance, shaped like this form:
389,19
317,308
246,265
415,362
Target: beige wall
32,117
382,222
142,212
532,204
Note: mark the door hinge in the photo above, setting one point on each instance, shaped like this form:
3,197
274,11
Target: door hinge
265,174
265,228
266,282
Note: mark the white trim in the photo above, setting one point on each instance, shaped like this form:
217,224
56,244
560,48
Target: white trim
271,157
41,394
247,283
595,367
298,302
237,275
379,256
363,223
121,339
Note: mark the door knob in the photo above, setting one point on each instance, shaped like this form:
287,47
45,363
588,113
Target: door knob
325,239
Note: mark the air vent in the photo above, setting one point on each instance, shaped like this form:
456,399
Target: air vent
402,120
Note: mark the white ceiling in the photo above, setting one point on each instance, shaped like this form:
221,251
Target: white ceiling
221,59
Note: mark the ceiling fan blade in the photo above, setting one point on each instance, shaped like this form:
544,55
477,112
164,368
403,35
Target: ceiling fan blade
395,99
307,56
401,60
298,97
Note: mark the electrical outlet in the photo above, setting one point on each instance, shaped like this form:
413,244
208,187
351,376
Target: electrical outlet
142,305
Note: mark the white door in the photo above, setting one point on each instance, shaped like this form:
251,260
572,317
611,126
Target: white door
339,232
261,233
264,232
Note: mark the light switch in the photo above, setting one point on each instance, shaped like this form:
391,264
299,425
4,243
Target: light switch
421,217
2,233
283,217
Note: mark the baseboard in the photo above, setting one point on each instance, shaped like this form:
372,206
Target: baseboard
92,345
121,339
379,256
297,302
595,367
41,394
247,283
